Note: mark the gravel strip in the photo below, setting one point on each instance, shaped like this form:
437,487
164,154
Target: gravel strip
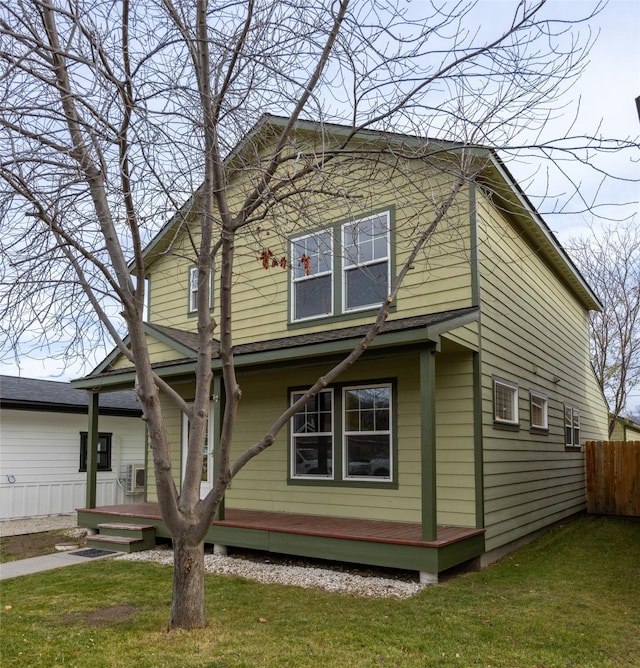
347,582
37,524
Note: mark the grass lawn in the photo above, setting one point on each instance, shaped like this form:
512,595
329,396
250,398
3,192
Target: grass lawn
572,598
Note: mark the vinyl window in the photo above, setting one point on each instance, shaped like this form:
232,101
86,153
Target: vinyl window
344,434
326,281
103,457
571,426
193,290
312,275
312,437
367,432
539,410
365,269
505,402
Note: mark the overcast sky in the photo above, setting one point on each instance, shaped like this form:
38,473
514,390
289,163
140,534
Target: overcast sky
607,93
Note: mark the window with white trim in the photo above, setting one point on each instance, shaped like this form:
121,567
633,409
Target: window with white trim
312,437
571,426
325,282
505,402
365,266
367,432
312,276
362,438
539,410
193,290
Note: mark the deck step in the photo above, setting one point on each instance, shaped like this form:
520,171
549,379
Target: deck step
122,537
122,526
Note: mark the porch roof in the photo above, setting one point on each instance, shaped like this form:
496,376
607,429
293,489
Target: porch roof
400,331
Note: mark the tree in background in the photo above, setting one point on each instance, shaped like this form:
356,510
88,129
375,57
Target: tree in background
114,113
610,261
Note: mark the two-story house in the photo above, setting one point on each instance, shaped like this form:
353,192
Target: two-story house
456,436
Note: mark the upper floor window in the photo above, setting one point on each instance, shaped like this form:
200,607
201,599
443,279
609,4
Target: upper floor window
366,262
103,456
505,402
193,290
325,282
539,410
312,275
571,426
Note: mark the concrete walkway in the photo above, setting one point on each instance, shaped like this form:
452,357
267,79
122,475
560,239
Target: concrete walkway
48,562
14,569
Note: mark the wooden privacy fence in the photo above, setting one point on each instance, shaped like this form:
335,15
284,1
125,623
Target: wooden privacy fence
613,477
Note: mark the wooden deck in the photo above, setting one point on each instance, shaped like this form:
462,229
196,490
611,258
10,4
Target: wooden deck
374,531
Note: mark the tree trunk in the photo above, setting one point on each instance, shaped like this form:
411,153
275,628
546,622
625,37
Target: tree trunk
188,604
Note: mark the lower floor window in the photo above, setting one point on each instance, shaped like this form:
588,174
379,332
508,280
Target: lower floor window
571,426
103,457
312,436
344,434
367,432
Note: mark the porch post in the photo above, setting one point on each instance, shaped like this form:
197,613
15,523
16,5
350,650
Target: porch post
428,442
92,449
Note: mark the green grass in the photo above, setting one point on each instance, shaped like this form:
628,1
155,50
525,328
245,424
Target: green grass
572,598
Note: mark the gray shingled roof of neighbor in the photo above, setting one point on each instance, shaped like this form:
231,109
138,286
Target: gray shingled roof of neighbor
35,394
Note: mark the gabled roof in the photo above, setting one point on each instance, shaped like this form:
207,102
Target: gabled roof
415,329
493,171
54,396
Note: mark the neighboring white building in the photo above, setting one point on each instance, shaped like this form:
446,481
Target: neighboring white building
43,426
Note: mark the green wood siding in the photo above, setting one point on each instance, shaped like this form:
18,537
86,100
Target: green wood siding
441,279
262,484
625,431
534,333
455,462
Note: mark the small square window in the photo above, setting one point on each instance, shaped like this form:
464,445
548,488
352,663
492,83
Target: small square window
505,402
103,459
539,410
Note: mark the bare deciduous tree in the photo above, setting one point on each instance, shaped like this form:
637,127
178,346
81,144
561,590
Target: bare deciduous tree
610,260
113,114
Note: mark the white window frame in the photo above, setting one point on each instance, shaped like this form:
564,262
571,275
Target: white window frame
351,264
294,396
193,290
513,389
297,280
572,424
542,402
369,477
